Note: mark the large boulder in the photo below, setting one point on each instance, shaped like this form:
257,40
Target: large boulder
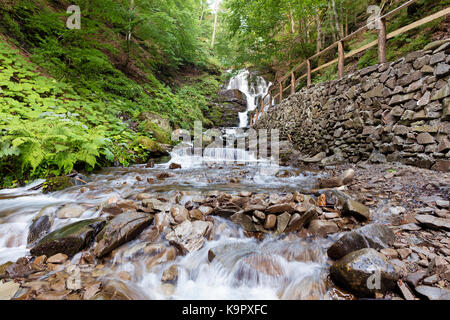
226,111
69,239
233,96
121,229
161,122
156,150
364,272
375,236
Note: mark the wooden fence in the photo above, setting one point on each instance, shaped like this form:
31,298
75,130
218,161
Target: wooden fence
381,42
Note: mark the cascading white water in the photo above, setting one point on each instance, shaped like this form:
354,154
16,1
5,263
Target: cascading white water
253,91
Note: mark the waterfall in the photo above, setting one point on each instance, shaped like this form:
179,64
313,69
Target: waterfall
253,89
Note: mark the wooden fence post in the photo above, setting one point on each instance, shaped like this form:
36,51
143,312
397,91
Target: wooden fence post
382,41
292,83
281,91
341,59
308,78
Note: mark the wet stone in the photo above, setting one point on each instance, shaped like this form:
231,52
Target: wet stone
375,236
69,239
353,271
271,221
39,228
121,229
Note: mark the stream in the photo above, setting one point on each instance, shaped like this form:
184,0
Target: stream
286,267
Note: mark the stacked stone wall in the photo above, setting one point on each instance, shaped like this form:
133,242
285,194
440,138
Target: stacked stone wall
397,111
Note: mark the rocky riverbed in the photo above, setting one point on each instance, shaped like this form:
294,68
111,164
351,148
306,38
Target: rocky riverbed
177,230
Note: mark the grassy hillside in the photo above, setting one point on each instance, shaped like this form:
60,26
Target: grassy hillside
80,99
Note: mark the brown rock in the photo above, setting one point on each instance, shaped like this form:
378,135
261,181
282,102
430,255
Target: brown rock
91,290
389,252
259,214
299,221
170,274
119,230
425,138
405,290
404,253
174,166
322,227
280,208
282,222
271,221
196,215
434,222
356,210
53,295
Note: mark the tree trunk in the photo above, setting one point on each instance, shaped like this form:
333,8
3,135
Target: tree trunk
203,10
291,18
336,19
129,34
319,33
215,24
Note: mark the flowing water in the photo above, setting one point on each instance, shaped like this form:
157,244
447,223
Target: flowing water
244,268
253,87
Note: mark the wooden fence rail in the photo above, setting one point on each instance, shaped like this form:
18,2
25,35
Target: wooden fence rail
381,42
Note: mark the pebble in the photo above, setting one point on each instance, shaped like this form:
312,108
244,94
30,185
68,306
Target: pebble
388,252
58,258
404,253
443,204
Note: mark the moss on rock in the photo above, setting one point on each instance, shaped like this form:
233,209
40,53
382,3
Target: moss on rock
57,184
159,134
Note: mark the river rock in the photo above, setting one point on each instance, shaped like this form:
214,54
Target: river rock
280,208
353,271
179,213
205,210
322,227
20,269
245,221
271,221
228,254
174,166
298,221
170,274
434,222
375,236
255,264
3,267
70,211
282,222
38,228
356,209
433,293
58,258
69,239
8,290
190,235
156,204
120,230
